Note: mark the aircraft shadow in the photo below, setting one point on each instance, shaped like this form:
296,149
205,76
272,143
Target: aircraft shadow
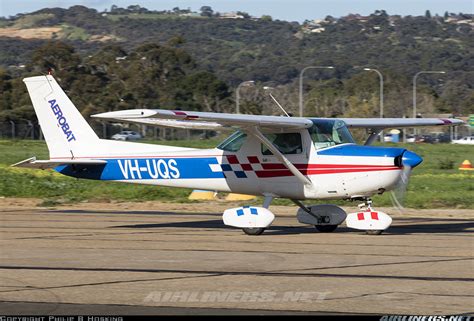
218,224
433,228
464,226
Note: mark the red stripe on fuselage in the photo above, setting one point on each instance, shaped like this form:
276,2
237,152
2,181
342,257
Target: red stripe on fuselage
281,173
275,166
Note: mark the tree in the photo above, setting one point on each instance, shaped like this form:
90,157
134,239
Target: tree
206,11
55,55
243,14
206,89
428,14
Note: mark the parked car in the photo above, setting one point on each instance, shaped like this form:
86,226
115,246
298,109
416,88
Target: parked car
411,138
127,135
440,137
468,140
425,139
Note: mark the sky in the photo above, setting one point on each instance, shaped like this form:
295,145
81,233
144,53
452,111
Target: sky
290,10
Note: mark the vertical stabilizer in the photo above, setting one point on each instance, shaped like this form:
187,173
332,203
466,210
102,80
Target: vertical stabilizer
66,132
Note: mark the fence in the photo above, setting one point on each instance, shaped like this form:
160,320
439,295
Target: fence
32,130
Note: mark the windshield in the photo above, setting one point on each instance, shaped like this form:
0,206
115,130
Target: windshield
329,132
233,142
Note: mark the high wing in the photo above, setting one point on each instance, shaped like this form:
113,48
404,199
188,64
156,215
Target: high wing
204,120
192,119
44,164
399,122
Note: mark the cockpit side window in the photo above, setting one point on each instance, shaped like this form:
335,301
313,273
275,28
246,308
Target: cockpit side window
329,132
286,143
234,142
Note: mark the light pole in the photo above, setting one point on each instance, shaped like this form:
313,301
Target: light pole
380,95
301,84
237,93
380,90
414,89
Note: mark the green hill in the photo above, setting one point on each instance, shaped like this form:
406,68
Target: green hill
221,53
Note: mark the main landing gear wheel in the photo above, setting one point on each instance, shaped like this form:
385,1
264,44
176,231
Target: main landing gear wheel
374,232
326,228
253,230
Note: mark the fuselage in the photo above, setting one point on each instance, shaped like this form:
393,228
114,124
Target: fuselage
243,165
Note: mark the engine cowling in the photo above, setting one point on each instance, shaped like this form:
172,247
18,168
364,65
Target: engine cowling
248,217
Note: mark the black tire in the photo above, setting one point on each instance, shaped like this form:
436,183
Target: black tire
326,228
253,231
374,232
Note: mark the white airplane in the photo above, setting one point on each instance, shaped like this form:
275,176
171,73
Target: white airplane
275,157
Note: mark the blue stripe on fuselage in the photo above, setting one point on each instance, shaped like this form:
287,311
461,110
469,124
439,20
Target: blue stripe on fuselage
367,151
144,168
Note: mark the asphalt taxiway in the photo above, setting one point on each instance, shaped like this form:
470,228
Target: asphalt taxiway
112,261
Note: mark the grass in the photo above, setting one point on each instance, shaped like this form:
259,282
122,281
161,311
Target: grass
74,33
31,20
435,183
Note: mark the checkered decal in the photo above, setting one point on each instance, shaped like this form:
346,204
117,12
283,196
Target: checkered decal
373,216
232,167
253,210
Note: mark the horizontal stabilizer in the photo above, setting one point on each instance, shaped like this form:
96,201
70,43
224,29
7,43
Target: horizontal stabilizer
44,164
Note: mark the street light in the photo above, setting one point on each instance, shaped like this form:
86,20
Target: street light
414,89
237,93
381,95
301,84
380,90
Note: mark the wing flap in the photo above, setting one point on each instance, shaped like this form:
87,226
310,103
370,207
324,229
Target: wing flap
172,123
44,164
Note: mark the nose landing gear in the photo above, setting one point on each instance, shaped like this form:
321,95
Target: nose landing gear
369,220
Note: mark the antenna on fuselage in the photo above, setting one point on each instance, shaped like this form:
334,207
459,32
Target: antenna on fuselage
278,104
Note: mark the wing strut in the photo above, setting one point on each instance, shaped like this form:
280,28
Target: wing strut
374,132
258,134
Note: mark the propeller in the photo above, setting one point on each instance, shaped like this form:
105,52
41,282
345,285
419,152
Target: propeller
398,194
409,160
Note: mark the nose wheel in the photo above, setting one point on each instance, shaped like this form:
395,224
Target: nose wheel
368,219
367,206
253,231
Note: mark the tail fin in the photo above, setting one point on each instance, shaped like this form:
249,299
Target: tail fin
65,130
